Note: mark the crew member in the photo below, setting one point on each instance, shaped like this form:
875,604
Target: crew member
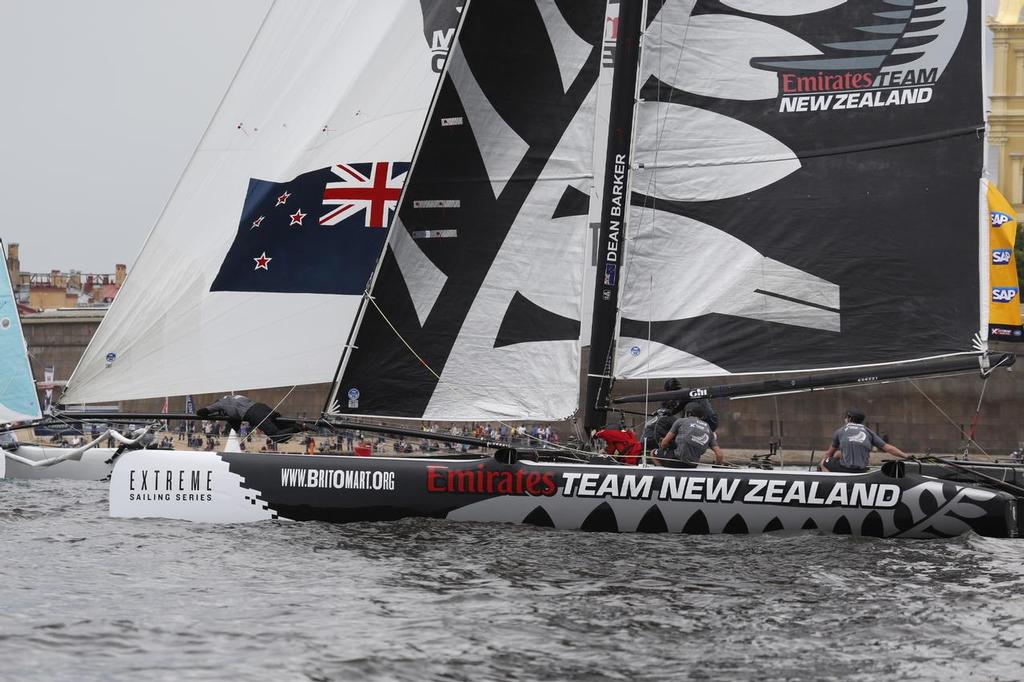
665,416
237,408
688,439
703,410
620,443
854,441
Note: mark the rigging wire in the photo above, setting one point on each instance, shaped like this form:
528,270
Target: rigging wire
647,380
977,411
778,425
279,402
965,436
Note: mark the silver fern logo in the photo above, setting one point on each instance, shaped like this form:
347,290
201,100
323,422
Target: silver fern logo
886,53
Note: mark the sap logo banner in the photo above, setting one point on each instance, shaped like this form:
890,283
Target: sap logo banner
1001,256
1004,294
999,219
192,486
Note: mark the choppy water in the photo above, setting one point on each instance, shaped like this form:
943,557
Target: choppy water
85,597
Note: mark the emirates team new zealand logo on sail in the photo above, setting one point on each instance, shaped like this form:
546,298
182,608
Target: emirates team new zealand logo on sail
320,233
882,53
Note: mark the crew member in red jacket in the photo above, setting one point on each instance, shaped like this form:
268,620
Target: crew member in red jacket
621,443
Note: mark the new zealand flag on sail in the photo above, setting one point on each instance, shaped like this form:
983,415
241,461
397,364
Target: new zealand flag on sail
320,233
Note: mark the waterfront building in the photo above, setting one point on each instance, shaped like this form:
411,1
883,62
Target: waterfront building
1006,120
56,290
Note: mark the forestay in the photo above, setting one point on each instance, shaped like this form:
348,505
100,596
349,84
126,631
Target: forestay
253,273
482,278
806,187
18,398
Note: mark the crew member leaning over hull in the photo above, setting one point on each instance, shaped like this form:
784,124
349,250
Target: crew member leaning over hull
853,442
237,408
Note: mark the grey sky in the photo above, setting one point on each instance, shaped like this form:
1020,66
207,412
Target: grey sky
103,103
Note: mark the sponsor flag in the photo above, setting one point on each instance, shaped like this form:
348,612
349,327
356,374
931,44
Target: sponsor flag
320,233
1004,300
190,408
48,376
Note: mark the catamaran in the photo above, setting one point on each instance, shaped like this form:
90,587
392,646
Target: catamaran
19,408
787,186
308,110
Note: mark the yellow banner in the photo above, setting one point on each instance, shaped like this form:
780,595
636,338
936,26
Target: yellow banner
1004,301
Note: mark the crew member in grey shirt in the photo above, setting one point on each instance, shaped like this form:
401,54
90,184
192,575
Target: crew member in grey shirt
854,442
688,439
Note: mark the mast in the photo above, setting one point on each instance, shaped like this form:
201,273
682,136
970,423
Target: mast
615,197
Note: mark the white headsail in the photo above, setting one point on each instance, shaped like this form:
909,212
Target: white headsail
249,278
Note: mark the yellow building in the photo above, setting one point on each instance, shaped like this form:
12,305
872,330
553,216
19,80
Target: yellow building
1006,115
1006,121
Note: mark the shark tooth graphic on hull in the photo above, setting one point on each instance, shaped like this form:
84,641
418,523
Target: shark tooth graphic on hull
601,520
736,526
872,525
697,524
539,517
652,522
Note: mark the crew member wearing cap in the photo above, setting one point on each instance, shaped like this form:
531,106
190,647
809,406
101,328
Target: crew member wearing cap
854,441
689,438
665,417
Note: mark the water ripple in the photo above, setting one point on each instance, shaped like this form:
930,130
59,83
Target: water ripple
86,597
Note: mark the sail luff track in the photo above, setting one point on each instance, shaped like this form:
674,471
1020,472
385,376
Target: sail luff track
615,197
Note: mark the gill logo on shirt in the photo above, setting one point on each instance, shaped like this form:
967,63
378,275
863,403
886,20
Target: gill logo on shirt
702,439
859,437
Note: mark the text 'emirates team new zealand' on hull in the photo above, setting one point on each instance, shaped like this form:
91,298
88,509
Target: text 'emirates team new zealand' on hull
239,487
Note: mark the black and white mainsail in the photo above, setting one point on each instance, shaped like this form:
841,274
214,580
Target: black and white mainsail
483,274
804,189
805,192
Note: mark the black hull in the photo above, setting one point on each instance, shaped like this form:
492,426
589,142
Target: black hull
235,487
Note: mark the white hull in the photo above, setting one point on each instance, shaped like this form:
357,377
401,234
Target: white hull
92,466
